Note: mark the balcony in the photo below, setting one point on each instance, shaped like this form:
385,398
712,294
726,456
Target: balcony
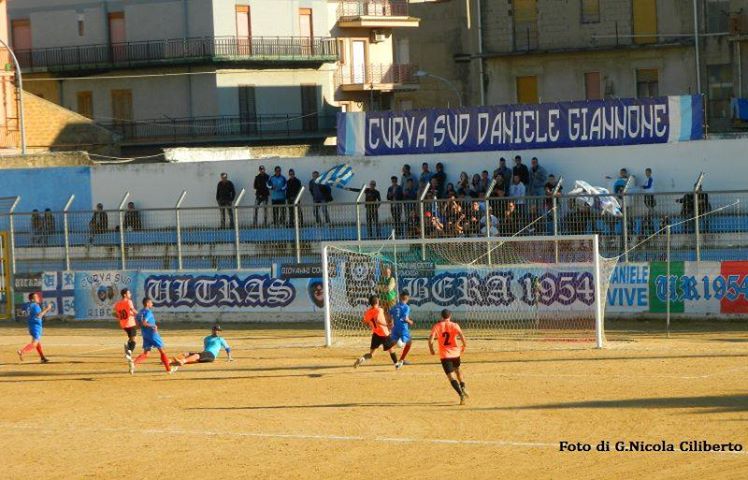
385,78
225,129
375,14
182,51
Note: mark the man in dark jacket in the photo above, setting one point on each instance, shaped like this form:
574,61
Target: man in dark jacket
395,195
520,170
321,194
225,195
293,187
262,194
441,180
99,222
372,199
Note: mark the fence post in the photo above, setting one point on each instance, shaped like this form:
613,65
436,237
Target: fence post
237,241
358,214
696,213
122,230
297,227
488,219
11,224
66,231
423,222
625,226
179,229
554,203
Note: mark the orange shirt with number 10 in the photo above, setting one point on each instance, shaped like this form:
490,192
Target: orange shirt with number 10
446,333
373,317
124,310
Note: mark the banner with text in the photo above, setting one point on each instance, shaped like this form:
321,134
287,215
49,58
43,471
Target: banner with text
595,123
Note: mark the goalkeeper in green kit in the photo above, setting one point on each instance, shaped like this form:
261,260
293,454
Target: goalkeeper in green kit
387,291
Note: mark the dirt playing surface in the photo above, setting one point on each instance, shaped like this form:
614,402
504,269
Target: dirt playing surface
288,408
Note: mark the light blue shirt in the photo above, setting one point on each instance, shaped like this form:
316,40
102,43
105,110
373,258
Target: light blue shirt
214,344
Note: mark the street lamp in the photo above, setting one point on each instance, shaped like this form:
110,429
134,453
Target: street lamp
22,118
422,74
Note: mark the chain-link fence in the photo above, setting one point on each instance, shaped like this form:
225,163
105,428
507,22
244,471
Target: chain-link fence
703,226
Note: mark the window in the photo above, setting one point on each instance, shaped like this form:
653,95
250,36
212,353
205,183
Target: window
406,105
525,17
645,21
85,104
21,34
342,51
592,86
719,78
527,89
309,107
590,11
402,52
717,16
81,25
247,109
647,82
306,30
243,30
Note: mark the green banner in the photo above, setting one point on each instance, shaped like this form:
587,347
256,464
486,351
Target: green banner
657,287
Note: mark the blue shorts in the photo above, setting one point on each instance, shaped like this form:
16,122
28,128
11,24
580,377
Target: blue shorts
152,340
402,334
35,330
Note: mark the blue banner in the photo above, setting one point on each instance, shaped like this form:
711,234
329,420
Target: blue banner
630,121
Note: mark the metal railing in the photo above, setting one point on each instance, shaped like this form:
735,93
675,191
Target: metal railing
377,74
255,127
246,235
178,51
372,8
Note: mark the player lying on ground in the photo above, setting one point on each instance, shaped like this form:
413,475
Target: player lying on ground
35,316
445,332
380,333
212,345
151,337
400,315
125,312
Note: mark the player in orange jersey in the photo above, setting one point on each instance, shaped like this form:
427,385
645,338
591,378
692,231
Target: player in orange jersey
445,332
125,312
380,332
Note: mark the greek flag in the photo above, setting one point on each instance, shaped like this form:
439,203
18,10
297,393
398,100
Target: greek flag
337,176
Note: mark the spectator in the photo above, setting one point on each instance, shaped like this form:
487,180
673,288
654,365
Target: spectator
434,187
511,222
321,195
494,224
520,170
688,210
473,220
262,194
225,195
455,218
620,184
434,225
649,202
485,182
37,227
503,172
517,191
426,175
99,222
549,188
407,175
277,187
450,191
410,195
293,187
372,199
441,180
463,185
395,196
475,186
414,224
50,227
538,177
132,221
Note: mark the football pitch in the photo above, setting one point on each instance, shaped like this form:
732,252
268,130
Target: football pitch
290,408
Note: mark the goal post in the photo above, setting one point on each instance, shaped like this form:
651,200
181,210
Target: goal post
520,288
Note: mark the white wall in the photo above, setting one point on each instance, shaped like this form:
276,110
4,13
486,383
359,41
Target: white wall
675,166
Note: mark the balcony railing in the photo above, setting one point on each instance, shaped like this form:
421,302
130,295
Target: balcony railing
391,74
259,127
372,8
180,51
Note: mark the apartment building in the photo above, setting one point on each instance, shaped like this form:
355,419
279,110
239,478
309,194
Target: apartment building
208,71
548,50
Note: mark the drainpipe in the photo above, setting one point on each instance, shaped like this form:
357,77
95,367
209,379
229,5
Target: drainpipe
480,53
696,43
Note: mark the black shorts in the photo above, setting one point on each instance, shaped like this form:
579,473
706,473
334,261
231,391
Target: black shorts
205,357
450,364
131,332
385,342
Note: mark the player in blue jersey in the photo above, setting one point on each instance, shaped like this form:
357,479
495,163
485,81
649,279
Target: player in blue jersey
151,337
35,315
212,345
400,314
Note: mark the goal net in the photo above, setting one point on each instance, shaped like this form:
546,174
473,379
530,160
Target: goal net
542,289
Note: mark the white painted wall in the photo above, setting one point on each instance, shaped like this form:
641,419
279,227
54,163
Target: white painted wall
675,166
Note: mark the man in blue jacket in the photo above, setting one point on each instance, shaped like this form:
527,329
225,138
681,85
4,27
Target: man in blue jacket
277,186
